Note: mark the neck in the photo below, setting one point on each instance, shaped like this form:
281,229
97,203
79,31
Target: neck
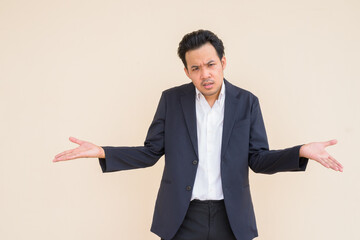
211,99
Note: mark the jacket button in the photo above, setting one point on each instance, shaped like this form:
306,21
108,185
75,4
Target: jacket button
195,162
188,188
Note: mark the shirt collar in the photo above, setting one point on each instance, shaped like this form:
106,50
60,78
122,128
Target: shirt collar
220,97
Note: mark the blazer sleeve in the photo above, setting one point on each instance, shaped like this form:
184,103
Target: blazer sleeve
125,158
263,160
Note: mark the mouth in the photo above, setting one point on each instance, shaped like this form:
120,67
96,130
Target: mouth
208,85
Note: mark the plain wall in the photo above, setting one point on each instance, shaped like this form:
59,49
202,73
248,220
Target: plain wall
95,70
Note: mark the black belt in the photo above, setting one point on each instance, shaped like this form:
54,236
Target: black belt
208,202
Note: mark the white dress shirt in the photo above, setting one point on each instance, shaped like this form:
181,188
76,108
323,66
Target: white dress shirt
209,121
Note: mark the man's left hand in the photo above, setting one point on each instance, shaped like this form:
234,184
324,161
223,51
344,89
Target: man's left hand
316,151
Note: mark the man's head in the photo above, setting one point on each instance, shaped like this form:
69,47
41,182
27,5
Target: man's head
196,39
202,53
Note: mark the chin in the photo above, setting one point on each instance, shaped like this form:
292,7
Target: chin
207,93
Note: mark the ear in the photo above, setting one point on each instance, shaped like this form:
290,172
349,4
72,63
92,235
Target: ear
186,72
223,62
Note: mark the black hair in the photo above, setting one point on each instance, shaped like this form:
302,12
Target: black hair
196,39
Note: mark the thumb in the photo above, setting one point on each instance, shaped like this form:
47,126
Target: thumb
75,140
331,142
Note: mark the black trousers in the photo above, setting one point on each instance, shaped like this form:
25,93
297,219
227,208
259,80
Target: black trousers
205,220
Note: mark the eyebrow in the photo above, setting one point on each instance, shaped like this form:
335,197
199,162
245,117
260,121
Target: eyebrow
211,61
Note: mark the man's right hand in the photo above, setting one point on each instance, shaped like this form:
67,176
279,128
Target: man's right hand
85,150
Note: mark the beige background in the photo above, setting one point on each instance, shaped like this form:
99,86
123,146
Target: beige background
95,70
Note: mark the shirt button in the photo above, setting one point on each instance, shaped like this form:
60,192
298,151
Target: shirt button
195,162
188,188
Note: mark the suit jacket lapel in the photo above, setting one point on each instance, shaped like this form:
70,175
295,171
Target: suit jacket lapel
189,110
230,112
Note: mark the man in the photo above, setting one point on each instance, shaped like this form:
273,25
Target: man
211,132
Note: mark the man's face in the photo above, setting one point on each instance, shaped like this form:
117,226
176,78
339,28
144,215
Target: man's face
205,70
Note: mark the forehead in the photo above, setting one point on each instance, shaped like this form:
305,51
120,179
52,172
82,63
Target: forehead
201,55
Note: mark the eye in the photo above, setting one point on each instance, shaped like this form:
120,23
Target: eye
194,69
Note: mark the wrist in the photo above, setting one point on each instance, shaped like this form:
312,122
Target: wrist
301,151
102,152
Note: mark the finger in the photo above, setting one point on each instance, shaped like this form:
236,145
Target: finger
69,156
335,168
68,152
333,165
339,165
335,161
323,162
331,142
65,152
60,158
75,140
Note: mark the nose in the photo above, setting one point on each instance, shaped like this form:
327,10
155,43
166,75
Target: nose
205,73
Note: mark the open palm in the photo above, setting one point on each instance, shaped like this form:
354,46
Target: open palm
84,150
316,151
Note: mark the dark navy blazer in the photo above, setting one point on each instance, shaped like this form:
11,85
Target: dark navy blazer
173,133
